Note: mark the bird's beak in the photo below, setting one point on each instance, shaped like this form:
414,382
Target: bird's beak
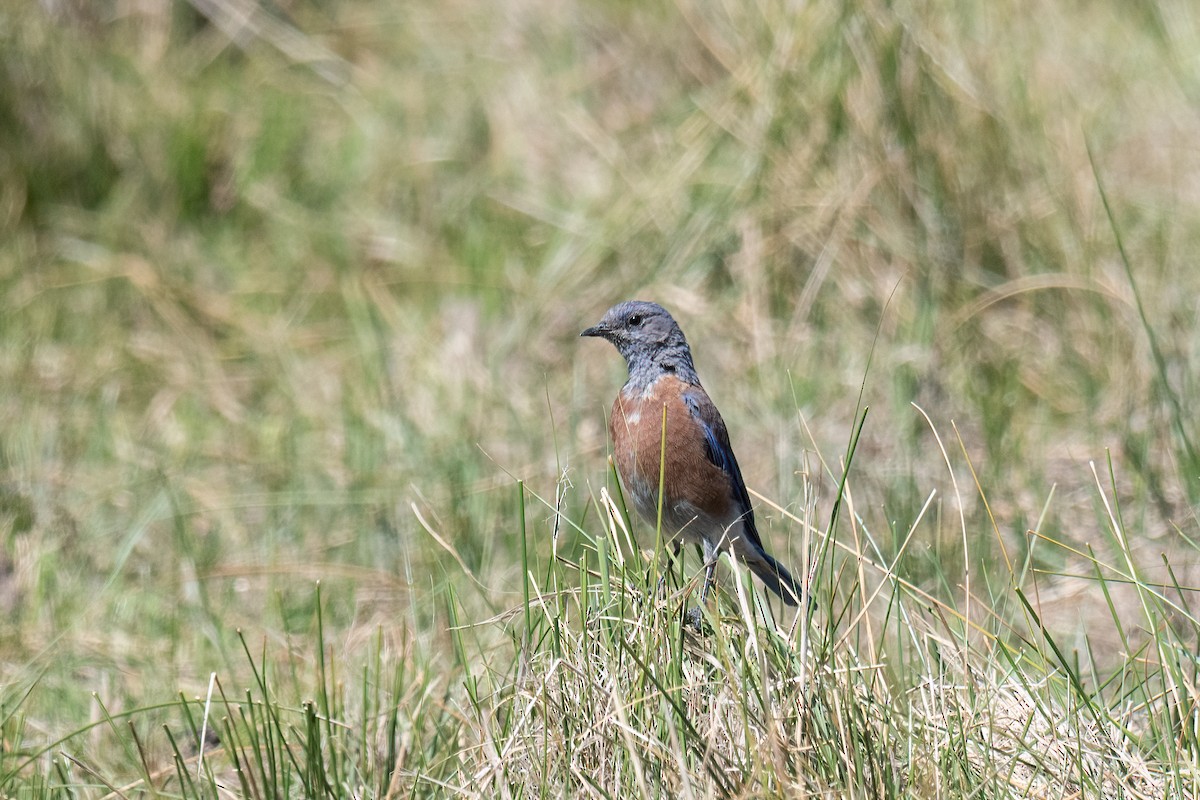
596,330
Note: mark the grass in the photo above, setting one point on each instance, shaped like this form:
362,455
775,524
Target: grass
303,481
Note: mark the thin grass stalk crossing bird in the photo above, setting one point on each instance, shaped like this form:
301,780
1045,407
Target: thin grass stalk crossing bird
704,498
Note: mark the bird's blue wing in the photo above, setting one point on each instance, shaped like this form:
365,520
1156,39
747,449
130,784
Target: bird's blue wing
720,453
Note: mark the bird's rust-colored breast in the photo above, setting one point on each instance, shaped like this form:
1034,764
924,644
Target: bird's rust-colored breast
691,478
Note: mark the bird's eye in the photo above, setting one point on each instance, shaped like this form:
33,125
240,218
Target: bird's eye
636,320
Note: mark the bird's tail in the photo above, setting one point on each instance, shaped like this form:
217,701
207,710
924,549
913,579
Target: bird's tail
776,578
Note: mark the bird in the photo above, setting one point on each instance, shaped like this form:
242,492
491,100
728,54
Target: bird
704,498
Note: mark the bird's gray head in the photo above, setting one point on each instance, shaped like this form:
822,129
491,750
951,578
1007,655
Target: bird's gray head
649,339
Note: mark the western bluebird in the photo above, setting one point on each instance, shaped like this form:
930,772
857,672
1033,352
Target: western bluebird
705,499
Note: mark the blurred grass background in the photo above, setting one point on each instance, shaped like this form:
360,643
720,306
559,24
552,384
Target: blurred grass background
272,276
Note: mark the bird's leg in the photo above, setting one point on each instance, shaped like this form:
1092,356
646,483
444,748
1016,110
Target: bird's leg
709,551
710,571
695,615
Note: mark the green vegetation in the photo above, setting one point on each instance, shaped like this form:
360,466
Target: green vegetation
303,481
